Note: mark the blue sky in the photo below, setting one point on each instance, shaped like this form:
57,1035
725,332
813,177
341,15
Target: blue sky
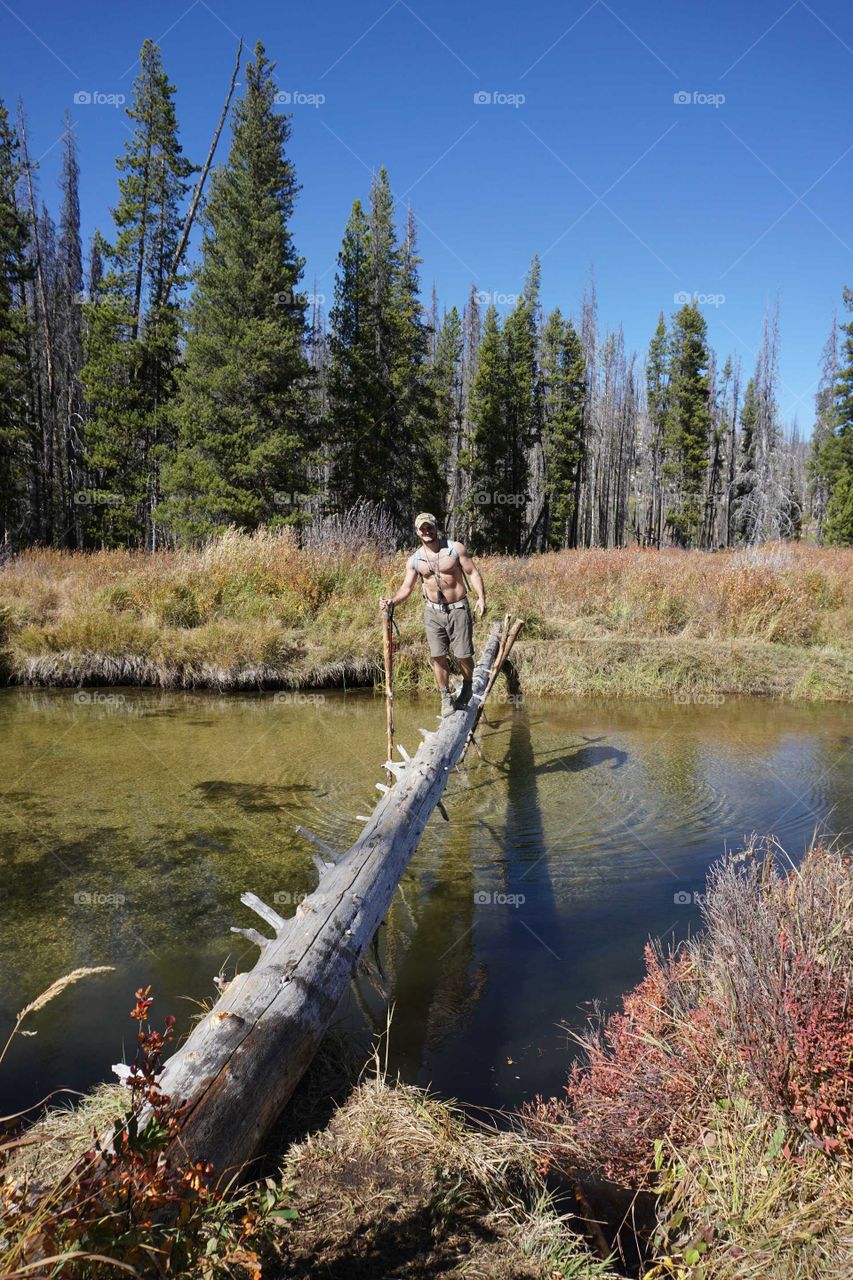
582,154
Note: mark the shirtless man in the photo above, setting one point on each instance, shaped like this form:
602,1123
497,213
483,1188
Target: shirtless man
441,564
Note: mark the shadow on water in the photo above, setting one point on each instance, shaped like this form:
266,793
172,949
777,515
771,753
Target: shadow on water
429,953
525,851
254,798
485,931
440,978
590,756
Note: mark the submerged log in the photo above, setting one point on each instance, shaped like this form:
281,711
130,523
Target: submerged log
240,1065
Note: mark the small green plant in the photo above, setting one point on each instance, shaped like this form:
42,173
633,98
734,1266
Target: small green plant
179,607
131,1203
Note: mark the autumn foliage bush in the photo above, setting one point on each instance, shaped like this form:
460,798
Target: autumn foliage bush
640,1072
759,1007
781,951
132,1203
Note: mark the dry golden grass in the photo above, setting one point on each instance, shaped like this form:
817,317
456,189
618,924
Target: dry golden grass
253,611
51,1146
399,1184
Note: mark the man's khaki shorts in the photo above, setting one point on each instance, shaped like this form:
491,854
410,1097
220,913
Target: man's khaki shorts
449,631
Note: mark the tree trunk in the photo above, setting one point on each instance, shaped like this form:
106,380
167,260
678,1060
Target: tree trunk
241,1064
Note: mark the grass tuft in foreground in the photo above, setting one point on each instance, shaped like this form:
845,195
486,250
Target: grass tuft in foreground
399,1184
396,1184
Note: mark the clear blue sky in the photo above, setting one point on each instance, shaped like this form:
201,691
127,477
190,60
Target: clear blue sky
597,168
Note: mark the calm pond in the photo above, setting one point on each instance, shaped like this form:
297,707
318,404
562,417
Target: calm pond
133,820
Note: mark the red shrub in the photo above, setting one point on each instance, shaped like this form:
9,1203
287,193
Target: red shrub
128,1201
813,1070
643,1071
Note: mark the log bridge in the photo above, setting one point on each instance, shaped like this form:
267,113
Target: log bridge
240,1065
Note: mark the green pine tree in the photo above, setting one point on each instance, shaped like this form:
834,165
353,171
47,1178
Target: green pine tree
448,441
131,347
522,414
489,455
69,344
836,454
354,404
746,474
838,530
824,427
243,412
563,389
657,396
382,411
419,447
687,427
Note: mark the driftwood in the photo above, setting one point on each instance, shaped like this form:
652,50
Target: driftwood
241,1064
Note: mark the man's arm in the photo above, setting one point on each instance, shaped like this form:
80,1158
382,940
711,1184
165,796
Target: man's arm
476,579
404,592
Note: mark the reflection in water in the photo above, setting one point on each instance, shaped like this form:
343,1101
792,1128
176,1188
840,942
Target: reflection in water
436,978
133,821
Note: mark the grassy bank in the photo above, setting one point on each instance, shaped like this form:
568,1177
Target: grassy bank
253,612
396,1184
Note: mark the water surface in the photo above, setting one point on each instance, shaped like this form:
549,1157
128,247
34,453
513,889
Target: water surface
132,821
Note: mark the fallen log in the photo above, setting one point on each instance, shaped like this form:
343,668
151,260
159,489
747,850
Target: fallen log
240,1065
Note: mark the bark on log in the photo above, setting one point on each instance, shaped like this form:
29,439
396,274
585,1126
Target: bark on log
241,1064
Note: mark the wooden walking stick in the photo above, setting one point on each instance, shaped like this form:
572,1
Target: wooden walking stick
388,654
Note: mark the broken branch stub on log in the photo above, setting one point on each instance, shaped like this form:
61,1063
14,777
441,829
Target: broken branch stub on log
240,1065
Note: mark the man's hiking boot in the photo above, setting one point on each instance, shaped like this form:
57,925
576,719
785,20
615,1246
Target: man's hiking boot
447,707
464,696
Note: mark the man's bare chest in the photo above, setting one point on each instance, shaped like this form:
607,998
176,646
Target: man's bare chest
444,564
